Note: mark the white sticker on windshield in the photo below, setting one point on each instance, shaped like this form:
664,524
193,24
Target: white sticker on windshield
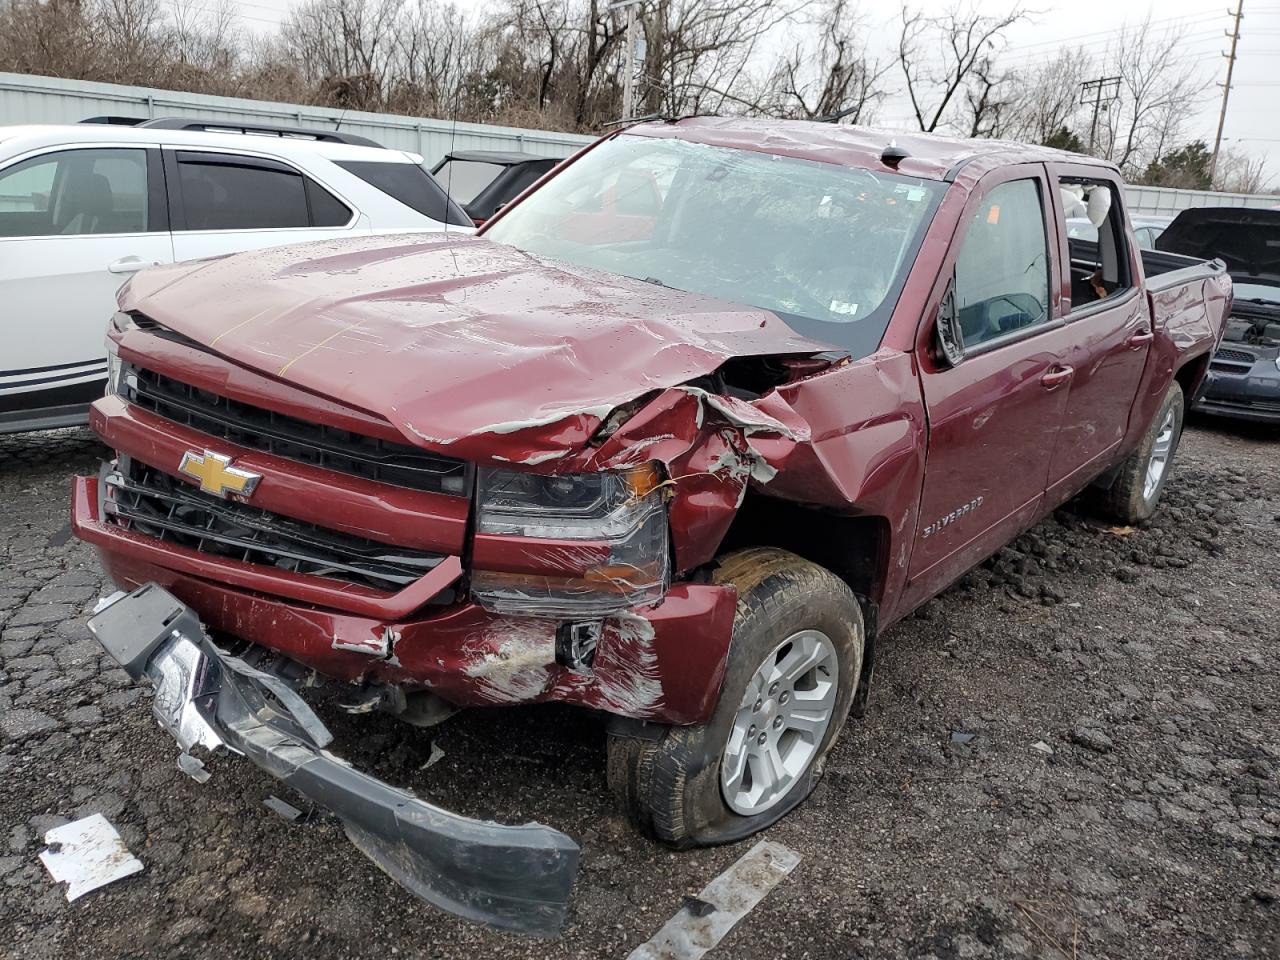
843,306
916,194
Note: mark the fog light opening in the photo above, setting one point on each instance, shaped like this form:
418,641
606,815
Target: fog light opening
576,644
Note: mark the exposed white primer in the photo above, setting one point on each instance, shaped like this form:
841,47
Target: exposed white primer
626,666
515,426
543,457
374,646
422,436
512,659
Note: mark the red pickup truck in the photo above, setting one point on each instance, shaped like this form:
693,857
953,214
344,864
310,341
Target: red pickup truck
677,437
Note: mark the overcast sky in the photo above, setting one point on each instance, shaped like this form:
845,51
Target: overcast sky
1253,121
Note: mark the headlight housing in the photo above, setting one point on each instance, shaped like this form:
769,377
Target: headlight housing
622,511
120,322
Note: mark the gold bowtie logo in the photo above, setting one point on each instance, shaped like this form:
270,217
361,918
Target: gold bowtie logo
217,475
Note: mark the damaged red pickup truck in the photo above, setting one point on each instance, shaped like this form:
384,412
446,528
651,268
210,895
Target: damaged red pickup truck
676,437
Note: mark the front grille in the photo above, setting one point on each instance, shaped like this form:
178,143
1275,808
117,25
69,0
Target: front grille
152,503
1234,356
246,425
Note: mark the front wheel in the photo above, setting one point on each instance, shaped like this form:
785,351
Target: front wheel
1137,488
794,664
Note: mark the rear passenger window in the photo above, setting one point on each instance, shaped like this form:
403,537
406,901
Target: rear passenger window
75,193
225,195
1096,239
415,188
1002,271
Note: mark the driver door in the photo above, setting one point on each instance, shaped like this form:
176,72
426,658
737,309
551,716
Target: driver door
995,415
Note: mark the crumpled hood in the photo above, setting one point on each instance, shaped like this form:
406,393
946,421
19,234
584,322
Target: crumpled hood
455,337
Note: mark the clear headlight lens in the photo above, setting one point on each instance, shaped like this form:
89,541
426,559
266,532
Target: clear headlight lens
115,370
120,322
623,510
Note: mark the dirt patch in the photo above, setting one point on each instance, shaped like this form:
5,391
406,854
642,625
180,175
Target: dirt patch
1114,790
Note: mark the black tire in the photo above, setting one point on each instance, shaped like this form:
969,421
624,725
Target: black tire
1126,501
668,783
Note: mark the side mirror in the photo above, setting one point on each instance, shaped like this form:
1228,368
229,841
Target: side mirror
948,336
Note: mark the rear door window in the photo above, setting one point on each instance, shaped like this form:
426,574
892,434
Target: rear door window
464,179
1099,248
1002,270
411,185
228,192
75,193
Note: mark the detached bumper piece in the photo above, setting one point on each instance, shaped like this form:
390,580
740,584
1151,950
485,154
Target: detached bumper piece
513,878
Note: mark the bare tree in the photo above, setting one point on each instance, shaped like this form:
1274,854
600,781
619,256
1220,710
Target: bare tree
1044,99
1238,172
833,78
1159,89
941,55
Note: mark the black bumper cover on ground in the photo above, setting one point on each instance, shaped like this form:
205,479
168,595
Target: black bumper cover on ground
514,878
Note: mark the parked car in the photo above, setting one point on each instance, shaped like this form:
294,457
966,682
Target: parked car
1146,230
685,473
483,181
83,206
1244,377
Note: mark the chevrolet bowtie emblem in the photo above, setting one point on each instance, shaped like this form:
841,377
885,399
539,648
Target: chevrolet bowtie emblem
217,475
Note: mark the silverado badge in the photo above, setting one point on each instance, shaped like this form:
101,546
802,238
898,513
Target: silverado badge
217,475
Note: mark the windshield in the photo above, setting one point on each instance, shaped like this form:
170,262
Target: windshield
1265,292
464,179
825,247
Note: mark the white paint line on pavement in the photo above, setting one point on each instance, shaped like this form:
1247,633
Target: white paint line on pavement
703,922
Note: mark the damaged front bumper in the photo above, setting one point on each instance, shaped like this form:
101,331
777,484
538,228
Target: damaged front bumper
514,878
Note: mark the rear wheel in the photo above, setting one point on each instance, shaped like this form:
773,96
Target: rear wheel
1137,489
793,668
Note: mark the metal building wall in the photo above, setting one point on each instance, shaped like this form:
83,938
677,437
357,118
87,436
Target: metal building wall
31,99
1166,201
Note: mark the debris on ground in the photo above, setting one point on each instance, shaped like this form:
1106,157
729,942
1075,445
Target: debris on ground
87,854
286,810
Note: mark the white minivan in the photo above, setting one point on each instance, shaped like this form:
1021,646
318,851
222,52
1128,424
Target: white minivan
84,206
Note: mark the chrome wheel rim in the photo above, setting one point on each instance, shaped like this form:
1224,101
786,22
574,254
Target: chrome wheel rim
1159,461
780,723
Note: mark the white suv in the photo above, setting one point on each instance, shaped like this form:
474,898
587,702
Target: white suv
83,206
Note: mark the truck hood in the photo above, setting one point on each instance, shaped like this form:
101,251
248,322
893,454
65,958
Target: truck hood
455,338
1247,240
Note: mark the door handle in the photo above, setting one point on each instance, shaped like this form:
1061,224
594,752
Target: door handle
1140,339
130,265
1056,377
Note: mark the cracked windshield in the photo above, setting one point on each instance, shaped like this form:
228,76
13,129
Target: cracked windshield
825,247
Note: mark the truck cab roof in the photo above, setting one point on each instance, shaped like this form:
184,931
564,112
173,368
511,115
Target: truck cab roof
929,156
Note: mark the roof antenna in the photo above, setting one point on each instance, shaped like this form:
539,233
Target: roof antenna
892,155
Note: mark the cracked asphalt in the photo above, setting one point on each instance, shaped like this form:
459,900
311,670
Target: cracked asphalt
1072,753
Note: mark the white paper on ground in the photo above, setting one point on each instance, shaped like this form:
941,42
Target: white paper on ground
88,854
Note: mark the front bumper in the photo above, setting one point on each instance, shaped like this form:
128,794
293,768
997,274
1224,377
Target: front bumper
1249,393
515,878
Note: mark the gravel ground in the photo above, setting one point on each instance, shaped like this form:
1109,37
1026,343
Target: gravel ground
1072,753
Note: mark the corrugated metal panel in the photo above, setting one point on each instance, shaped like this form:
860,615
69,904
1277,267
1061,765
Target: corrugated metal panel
1166,201
29,99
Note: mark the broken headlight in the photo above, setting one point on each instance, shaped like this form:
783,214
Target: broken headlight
621,510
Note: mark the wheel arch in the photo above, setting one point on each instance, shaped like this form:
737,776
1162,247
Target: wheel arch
853,547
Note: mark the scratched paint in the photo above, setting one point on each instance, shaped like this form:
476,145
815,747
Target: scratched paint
628,677
512,659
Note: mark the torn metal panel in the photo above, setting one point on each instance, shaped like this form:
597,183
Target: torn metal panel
87,854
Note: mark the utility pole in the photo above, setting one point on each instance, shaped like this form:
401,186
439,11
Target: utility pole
1226,89
1095,92
629,68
